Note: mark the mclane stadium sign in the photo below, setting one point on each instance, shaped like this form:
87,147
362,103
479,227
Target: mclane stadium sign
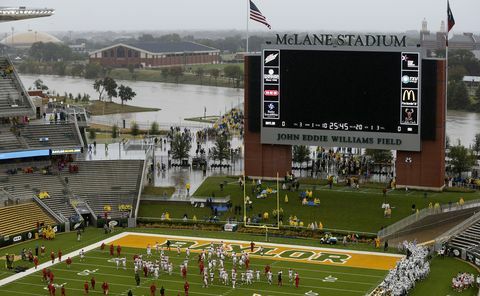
341,40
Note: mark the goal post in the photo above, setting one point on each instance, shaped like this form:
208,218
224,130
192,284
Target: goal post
266,226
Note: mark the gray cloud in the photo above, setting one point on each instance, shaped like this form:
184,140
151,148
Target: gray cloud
301,15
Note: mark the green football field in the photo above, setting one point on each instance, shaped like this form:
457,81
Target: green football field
315,279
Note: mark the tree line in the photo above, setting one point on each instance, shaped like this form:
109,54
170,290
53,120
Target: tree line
462,63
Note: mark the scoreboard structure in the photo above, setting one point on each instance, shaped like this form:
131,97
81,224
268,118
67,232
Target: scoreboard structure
346,96
342,98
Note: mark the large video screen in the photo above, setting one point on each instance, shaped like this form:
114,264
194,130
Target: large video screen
341,98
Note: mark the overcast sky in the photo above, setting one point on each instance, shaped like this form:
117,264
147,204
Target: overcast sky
301,15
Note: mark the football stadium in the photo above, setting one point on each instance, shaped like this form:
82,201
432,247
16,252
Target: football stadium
279,195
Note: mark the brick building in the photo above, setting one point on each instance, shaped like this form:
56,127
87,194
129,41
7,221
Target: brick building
155,54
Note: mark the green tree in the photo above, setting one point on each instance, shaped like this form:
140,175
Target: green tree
134,129
77,70
300,154
476,144
93,70
92,134
379,155
125,93
60,68
106,86
477,93
456,73
131,70
233,72
146,38
214,73
85,98
221,151
200,72
461,159
176,73
50,52
114,131
40,85
458,96
165,72
170,38
154,128
464,58
180,146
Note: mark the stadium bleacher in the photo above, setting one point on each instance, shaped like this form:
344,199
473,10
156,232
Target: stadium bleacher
14,100
25,186
9,141
11,224
51,135
467,239
110,183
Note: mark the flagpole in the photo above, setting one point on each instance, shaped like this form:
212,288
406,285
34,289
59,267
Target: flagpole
446,77
248,16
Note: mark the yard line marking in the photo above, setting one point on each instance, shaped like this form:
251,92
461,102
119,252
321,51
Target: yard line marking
47,264
199,276
282,252
18,292
194,274
259,265
195,284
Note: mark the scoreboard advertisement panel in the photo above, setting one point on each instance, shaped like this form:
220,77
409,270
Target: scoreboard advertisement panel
349,97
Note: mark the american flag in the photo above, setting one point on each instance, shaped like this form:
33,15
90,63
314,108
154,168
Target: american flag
451,20
256,15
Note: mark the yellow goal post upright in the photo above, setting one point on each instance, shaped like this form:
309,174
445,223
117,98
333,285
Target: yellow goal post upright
265,226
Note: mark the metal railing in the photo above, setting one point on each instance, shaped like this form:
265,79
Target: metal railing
18,83
458,228
407,221
210,220
149,155
146,125
59,218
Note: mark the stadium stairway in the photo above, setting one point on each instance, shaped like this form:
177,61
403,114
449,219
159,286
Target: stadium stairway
430,227
14,100
25,186
22,218
469,238
9,141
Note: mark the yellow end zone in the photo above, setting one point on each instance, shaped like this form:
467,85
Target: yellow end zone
304,254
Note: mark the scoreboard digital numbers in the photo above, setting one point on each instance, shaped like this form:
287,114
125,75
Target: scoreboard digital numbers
341,97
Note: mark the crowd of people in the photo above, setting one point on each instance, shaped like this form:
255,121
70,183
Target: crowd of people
217,265
412,268
463,281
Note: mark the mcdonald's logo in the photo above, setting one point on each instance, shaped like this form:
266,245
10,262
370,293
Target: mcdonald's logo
409,95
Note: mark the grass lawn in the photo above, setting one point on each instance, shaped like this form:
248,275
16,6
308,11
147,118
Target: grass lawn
322,279
207,119
154,209
439,282
159,191
105,108
188,77
341,207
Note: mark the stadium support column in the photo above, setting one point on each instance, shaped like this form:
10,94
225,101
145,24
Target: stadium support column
426,169
260,160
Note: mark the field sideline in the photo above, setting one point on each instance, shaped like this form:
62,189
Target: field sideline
322,270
